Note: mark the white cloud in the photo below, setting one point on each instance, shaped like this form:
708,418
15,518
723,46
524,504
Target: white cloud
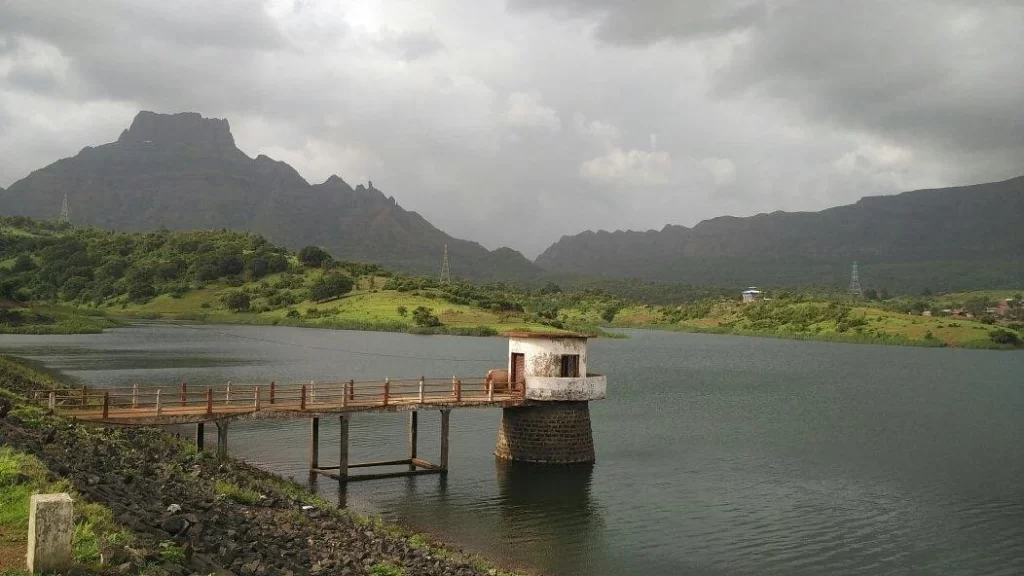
525,110
631,167
598,129
723,170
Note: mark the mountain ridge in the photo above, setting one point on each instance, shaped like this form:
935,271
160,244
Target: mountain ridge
895,237
184,171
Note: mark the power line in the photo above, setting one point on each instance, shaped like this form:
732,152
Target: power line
356,352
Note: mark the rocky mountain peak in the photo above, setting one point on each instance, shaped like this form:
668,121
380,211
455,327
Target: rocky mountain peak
184,128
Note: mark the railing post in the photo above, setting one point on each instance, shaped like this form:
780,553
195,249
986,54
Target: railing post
387,390
209,400
351,389
490,390
256,402
302,402
458,390
453,386
157,401
227,396
135,395
184,393
344,394
421,389
312,391
52,404
85,396
106,404
272,386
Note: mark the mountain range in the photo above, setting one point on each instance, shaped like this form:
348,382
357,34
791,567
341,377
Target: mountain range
183,171
942,239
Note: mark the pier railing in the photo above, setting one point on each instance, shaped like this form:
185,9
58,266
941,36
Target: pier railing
228,399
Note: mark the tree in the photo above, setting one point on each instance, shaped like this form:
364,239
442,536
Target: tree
237,300
141,291
1000,336
609,313
423,316
871,294
330,286
22,263
313,256
402,311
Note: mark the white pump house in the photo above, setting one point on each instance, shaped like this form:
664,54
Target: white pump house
553,367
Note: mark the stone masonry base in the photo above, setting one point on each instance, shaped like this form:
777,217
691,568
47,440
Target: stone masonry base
549,433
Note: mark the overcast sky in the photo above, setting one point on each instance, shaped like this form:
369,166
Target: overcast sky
515,122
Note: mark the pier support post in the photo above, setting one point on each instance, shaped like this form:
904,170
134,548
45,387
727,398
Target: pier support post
445,420
343,448
200,436
413,433
314,443
222,439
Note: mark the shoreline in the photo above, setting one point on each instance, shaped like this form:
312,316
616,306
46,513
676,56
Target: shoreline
234,516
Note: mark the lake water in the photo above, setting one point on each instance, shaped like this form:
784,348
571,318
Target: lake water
716,454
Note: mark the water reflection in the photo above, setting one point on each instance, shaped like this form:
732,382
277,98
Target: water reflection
548,511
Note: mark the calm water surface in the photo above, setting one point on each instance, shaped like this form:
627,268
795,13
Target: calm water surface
716,454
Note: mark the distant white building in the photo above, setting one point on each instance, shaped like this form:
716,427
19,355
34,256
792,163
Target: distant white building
751,294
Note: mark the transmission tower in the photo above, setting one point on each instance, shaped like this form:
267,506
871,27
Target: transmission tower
65,216
855,288
446,270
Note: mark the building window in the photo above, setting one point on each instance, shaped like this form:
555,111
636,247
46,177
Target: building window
570,365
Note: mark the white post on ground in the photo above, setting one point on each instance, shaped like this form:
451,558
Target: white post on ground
52,403
421,389
157,401
135,395
51,523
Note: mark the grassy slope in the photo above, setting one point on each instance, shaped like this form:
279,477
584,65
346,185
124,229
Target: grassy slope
880,326
363,308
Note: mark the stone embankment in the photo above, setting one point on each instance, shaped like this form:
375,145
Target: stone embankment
191,514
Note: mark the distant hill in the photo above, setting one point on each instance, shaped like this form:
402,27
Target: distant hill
945,239
184,172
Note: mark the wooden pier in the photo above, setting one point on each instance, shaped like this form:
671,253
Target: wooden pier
142,405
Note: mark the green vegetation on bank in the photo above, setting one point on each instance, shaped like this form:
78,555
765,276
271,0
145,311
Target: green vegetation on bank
59,279
842,319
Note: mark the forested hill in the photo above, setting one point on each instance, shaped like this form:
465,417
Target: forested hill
946,239
184,172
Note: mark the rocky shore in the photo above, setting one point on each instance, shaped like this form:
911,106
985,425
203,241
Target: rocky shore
191,514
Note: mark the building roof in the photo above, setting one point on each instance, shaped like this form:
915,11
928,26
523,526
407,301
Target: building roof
548,335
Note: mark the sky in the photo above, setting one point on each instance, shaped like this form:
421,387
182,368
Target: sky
514,122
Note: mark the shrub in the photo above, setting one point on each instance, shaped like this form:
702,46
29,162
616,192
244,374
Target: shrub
402,311
386,569
237,493
423,316
237,300
1000,336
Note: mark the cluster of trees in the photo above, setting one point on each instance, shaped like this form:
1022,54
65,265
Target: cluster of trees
93,266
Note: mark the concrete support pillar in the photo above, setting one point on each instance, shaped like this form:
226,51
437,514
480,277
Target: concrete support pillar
547,433
343,448
222,439
413,433
445,421
200,436
314,443
51,523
